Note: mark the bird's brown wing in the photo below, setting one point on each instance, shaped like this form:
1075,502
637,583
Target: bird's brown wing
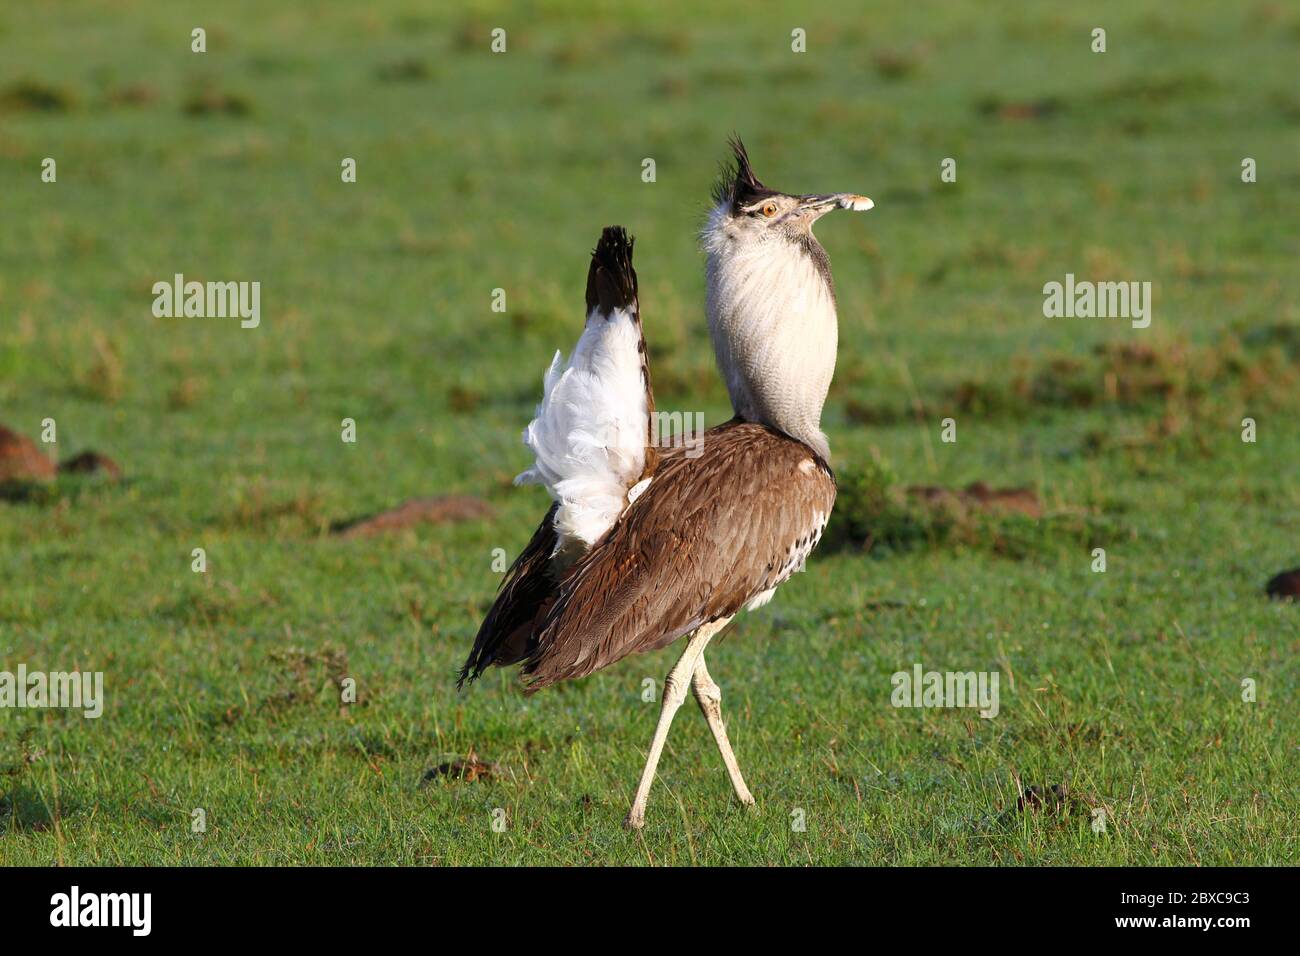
708,535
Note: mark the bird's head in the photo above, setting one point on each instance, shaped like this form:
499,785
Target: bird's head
746,211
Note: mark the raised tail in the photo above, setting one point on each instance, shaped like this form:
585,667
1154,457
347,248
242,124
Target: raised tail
591,436
611,280
611,287
592,441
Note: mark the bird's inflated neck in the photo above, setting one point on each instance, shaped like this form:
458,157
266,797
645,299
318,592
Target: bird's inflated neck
771,310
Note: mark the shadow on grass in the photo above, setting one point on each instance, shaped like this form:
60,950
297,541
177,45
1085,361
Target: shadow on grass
23,809
45,494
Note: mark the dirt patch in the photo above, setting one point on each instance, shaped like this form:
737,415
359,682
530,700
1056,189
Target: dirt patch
891,64
463,399
91,463
979,496
406,70
33,96
440,509
210,101
136,94
21,460
469,770
1284,586
1019,111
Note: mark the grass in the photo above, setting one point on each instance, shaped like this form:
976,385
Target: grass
478,171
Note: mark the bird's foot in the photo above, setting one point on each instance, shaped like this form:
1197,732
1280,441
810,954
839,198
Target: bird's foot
635,819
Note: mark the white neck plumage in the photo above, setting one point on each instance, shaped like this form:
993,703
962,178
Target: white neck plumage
772,319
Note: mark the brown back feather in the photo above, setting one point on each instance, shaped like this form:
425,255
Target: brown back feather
705,537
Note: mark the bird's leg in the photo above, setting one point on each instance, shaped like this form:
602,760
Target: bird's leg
675,685
709,696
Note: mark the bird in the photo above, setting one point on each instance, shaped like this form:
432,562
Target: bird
644,543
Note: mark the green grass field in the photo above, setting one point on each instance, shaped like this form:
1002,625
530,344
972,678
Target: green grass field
478,171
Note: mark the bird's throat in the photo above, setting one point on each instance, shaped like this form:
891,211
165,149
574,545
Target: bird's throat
773,322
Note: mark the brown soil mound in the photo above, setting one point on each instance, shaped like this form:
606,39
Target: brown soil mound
441,509
22,460
980,497
1284,586
91,463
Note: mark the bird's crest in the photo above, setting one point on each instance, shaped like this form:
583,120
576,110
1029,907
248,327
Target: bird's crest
736,183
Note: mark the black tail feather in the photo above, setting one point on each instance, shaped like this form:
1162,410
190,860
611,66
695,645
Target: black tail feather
506,633
611,280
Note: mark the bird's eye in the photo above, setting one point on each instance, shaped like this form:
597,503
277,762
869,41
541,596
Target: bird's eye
769,209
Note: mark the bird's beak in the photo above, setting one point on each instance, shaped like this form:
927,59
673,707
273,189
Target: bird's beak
822,203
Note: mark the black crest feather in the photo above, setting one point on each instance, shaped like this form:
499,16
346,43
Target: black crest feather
611,280
737,184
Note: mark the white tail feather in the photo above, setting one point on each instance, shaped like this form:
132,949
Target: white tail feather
589,432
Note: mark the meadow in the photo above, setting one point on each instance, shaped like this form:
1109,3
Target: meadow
1122,696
